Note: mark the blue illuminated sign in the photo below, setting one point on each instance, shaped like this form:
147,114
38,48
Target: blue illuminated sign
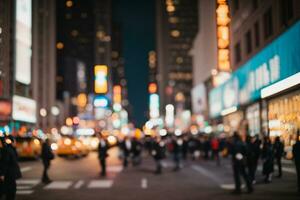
277,61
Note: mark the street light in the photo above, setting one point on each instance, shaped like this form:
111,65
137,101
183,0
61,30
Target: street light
55,110
43,112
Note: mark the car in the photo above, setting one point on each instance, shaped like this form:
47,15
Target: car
28,147
71,146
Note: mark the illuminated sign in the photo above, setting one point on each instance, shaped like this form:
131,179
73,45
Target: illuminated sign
117,94
82,100
270,71
101,102
223,21
24,109
152,88
154,106
23,41
101,85
170,115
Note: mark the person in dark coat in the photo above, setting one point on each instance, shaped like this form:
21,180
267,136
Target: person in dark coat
238,151
296,155
268,160
206,147
11,169
177,151
278,148
102,154
136,151
158,153
126,147
251,158
47,156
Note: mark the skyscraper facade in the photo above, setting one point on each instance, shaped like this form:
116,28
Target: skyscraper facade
176,27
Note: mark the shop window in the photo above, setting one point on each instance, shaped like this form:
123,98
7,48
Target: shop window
268,23
257,34
237,52
248,42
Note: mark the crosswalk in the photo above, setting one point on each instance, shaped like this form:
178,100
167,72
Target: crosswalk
28,186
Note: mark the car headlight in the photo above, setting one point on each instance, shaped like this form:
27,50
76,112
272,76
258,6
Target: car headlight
67,141
54,146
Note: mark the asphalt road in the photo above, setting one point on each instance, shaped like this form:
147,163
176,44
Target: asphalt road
79,179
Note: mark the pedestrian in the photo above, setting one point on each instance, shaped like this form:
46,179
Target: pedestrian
185,147
158,153
251,158
268,160
102,153
136,151
11,170
47,156
126,147
206,147
296,155
257,152
215,147
177,151
278,153
238,152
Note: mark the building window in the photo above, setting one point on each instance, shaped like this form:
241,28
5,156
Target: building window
256,34
248,42
268,23
287,12
237,52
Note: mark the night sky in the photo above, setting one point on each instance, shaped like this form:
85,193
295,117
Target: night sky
137,20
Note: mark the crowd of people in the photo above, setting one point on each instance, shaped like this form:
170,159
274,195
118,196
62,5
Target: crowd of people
246,153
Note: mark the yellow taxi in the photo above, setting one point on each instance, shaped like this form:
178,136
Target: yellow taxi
71,146
28,147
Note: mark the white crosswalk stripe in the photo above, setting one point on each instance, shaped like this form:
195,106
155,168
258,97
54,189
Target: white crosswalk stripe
115,168
100,184
79,184
58,185
25,186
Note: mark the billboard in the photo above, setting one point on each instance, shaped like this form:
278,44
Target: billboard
101,83
24,109
274,63
23,41
199,100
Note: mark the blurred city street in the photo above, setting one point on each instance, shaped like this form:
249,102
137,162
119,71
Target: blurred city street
79,179
149,100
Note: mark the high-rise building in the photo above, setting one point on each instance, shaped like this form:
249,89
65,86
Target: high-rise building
204,53
6,71
44,63
83,36
176,26
117,62
75,43
27,63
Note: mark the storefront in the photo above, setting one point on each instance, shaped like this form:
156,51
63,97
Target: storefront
249,99
284,116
